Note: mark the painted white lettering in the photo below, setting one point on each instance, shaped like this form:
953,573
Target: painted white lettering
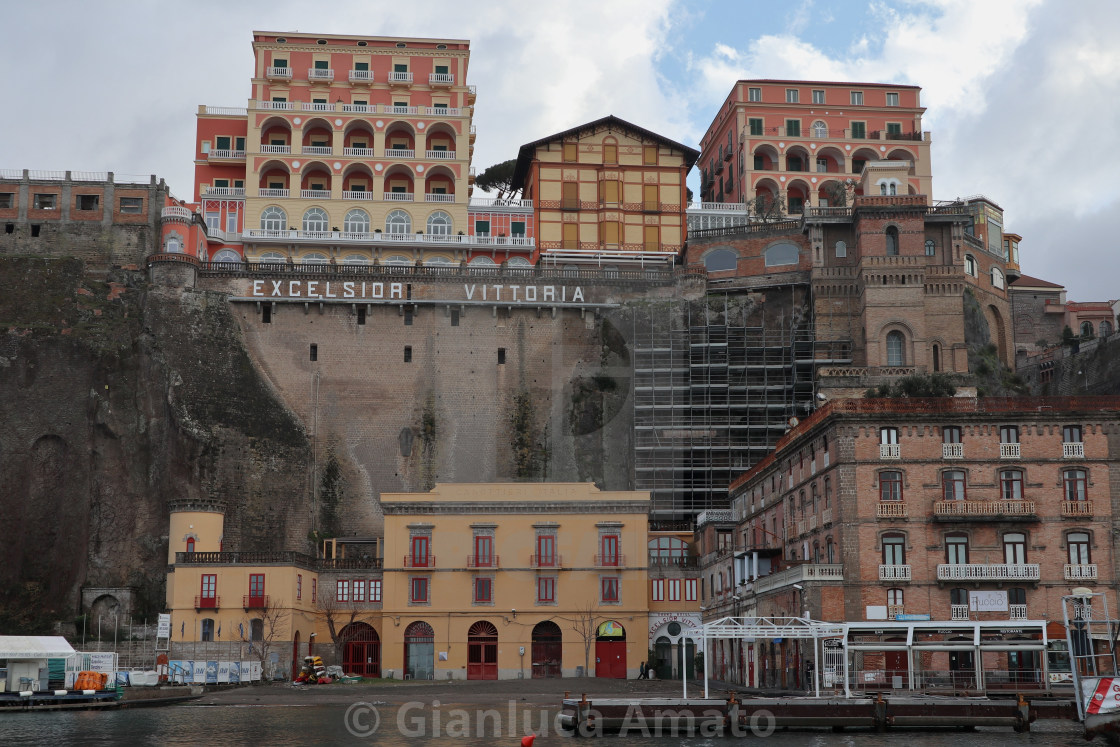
549,293
530,293
329,294
396,290
258,287
377,290
348,289
563,293
293,288
276,284
577,295
313,289
469,290
514,289
484,293
498,292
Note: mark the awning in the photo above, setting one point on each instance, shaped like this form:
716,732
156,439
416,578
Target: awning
34,647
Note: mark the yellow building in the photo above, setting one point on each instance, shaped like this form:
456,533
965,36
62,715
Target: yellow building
471,581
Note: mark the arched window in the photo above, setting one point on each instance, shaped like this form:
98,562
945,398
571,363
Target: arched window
997,278
970,265
355,259
315,258
356,221
274,218
398,222
226,255
273,258
830,550
936,357
190,544
841,249
820,129
207,629
439,223
315,219
442,261
931,247
667,550
519,262
721,259
1106,328
781,254
1086,329
396,259
896,352
173,245
256,629
892,241
482,262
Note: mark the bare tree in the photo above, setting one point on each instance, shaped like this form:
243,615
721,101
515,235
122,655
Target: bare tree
338,614
273,621
586,626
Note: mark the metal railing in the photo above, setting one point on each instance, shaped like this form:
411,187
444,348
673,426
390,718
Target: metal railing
482,561
545,561
610,561
419,561
207,603
988,572
254,601
984,508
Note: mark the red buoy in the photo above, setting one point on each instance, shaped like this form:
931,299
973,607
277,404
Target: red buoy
528,741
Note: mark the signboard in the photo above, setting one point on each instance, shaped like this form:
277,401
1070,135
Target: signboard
163,627
235,671
1102,695
198,672
911,618
359,290
104,662
211,672
876,612
611,629
223,671
254,670
987,601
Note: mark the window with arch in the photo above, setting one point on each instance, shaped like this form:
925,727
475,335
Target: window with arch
890,485
482,263
1014,548
781,254
1075,482
314,258
830,550
355,259
721,259
1011,484
190,544
396,259
888,188
931,247
519,262
1086,329
439,224
1106,328
953,485
892,241
273,218
896,349
936,357
273,258
956,549
819,129
437,260
315,219
226,255
398,222
356,221
207,629
610,151
1077,544
841,249
667,550
173,245
997,278
970,265
894,549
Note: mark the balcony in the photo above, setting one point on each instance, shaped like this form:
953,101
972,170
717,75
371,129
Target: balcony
482,561
952,451
430,197
315,194
894,610
280,149
894,572
266,192
440,79
398,196
350,195
1017,612
610,561
285,235
674,561
320,73
207,603
802,527
317,150
358,152
545,561
254,601
812,523
984,509
1078,509
826,517
278,106
419,561
401,153
278,73
223,192
228,154
798,574
440,155
1081,572
891,510
396,77
175,212
442,111
1074,450
958,612
360,76
889,451
1008,451
988,572
402,110
316,106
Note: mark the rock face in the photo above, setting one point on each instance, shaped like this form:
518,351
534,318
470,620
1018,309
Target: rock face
118,401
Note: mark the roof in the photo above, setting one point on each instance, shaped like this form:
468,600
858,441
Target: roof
34,647
526,152
1026,281
825,83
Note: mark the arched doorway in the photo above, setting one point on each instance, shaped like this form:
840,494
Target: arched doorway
295,655
547,650
663,658
610,651
361,650
482,651
419,651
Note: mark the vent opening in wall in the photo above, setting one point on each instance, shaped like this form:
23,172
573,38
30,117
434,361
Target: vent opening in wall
34,229
408,354
314,352
266,314
321,41
408,316
501,356
441,46
454,317
280,40
362,315
361,44
9,228
401,45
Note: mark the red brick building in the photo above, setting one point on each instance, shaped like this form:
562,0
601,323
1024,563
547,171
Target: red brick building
955,509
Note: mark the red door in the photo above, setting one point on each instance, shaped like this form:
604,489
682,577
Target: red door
896,666
482,652
610,659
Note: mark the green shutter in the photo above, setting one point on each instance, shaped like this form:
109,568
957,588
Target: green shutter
361,66
322,65
441,69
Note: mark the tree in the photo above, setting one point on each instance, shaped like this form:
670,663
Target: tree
1068,337
498,178
338,614
332,490
768,208
273,620
586,626
916,385
837,194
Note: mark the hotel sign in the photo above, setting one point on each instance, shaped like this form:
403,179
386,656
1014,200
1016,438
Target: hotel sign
374,291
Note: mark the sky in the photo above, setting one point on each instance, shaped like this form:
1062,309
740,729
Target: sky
1021,95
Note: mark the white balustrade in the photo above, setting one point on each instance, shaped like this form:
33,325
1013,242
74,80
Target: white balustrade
894,572
1073,450
175,212
319,73
438,198
396,77
224,192
403,110
350,195
279,72
891,510
264,192
225,154
398,197
376,237
316,106
358,152
406,153
442,111
958,612
1081,572
361,76
283,149
316,150
441,155
440,78
1008,451
988,572
889,451
1017,611
315,194
280,106
952,451
358,109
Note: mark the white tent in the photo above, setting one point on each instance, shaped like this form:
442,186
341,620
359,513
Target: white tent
20,647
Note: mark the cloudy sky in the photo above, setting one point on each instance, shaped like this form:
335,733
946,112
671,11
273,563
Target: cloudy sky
1022,95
